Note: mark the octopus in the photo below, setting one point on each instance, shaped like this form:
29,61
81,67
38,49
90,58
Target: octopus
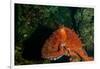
64,42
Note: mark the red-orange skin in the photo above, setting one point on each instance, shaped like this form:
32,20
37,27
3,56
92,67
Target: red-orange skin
73,45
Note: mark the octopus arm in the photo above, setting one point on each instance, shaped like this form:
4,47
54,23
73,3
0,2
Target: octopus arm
74,44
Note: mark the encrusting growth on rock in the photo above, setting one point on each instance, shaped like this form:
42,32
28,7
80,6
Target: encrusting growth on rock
64,41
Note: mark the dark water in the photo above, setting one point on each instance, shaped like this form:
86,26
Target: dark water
61,60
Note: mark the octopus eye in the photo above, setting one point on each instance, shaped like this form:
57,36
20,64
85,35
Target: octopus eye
63,45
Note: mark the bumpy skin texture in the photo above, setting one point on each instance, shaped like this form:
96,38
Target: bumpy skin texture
64,41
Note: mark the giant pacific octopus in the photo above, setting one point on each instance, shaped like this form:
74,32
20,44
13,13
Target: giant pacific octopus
64,41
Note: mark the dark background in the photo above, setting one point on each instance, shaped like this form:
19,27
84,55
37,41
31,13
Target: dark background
35,23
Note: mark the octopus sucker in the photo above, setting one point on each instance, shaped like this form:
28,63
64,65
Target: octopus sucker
64,41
